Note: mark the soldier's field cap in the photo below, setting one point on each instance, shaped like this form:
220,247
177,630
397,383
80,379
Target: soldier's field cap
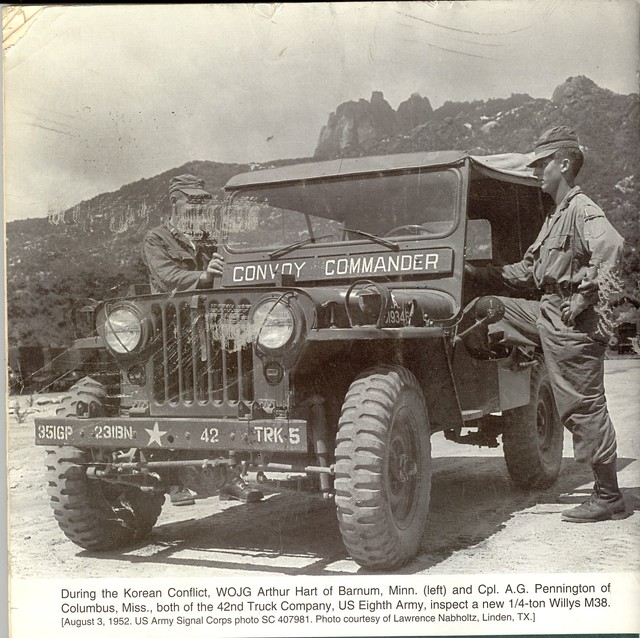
552,140
190,185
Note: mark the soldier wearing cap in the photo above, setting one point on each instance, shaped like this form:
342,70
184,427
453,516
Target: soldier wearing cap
575,246
180,255
175,252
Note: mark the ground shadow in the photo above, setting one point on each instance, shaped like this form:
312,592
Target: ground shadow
466,509
287,530
292,533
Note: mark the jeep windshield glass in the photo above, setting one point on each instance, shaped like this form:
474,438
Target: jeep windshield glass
348,209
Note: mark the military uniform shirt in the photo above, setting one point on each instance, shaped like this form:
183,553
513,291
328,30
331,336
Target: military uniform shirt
175,263
574,241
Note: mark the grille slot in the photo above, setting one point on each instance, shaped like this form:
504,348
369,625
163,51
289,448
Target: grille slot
193,362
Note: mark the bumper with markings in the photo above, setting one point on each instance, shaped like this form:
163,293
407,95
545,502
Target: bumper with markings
270,435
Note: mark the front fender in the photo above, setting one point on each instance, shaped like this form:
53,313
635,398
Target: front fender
424,351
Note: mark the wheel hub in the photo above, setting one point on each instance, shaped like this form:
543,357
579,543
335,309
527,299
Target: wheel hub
402,467
544,424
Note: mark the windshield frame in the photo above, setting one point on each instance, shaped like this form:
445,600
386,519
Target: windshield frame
456,170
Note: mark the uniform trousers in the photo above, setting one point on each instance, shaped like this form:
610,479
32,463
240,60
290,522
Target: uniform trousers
574,356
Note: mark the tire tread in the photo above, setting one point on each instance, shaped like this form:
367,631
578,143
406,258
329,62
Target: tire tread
363,513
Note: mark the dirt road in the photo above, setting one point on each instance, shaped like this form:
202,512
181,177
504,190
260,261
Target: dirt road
479,522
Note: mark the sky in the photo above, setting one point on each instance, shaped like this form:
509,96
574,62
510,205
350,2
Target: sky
96,97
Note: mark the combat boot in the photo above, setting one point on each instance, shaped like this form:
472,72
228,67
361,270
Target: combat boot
180,496
236,489
606,501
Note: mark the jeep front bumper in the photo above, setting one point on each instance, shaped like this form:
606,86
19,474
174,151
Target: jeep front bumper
257,435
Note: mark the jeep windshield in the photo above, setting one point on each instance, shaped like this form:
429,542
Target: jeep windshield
361,208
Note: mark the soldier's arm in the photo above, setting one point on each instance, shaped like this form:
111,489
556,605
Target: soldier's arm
167,273
519,275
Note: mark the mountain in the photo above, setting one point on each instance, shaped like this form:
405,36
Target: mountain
93,249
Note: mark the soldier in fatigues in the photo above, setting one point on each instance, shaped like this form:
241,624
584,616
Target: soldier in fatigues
180,257
174,252
574,248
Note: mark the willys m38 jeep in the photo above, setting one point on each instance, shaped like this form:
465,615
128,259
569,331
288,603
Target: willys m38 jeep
333,345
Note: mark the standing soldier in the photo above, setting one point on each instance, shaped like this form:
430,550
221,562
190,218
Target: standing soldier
179,259
575,247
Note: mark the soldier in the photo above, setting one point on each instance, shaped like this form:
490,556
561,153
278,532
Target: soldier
176,253
180,256
574,248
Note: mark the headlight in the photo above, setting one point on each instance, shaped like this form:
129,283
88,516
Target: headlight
274,324
122,330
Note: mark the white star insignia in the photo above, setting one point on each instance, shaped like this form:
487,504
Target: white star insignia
155,435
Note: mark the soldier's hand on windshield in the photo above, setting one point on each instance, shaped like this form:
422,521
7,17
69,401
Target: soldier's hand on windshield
216,264
572,307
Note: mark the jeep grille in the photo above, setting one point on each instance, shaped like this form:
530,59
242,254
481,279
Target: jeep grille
193,363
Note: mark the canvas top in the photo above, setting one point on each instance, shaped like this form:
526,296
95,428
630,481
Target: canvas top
509,165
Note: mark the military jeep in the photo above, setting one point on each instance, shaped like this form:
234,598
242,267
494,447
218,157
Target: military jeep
333,346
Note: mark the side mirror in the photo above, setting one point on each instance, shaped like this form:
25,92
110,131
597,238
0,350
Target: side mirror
489,310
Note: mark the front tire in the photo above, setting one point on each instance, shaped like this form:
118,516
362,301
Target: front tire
383,468
533,436
94,514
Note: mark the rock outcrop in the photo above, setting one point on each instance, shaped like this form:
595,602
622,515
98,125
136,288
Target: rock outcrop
355,125
413,112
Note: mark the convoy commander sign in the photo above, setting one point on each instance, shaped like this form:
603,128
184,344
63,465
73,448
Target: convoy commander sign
409,262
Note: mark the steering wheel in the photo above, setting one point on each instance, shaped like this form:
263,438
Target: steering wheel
414,227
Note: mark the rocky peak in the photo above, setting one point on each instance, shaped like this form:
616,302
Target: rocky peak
383,116
575,88
355,125
413,112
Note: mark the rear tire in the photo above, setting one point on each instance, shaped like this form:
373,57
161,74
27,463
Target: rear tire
86,398
383,468
533,436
